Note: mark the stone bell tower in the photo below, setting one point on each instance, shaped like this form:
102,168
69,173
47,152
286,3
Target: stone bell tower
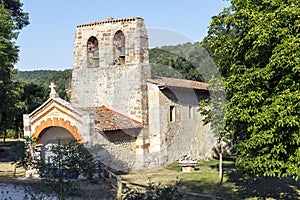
111,66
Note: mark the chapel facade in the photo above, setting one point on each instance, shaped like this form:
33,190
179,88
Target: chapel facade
128,119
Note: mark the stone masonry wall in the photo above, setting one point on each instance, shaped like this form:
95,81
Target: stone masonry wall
185,135
120,87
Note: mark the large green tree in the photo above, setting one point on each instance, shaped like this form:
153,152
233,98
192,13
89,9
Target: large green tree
12,20
256,45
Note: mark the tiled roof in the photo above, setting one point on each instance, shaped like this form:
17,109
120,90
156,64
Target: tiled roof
110,20
108,120
179,83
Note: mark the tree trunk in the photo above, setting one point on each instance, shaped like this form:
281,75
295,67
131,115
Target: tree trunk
221,164
4,136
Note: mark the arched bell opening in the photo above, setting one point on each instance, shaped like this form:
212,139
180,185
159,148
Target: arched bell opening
119,48
92,52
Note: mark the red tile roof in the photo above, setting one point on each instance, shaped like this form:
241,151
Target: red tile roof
108,120
179,83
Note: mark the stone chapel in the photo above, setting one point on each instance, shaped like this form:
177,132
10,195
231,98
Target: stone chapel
127,118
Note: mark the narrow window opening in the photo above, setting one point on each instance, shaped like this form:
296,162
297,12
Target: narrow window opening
92,52
190,112
119,48
172,113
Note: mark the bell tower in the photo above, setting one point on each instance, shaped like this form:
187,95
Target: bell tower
111,66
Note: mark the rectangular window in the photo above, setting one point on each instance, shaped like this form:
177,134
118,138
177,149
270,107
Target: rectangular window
190,112
172,113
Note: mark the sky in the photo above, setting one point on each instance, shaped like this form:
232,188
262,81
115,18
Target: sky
47,42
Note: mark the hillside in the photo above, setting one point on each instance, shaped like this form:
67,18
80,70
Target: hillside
43,78
188,61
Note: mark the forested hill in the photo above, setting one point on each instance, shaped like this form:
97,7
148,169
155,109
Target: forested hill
188,61
43,78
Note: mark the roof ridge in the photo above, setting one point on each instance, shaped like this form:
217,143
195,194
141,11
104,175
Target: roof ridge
163,77
178,82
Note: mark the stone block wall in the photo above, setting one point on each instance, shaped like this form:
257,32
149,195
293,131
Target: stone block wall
119,86
185,134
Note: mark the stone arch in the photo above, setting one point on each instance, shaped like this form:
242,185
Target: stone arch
92,52
59,122
119,48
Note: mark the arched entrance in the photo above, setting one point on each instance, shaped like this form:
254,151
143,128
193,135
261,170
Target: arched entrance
53,135
55,122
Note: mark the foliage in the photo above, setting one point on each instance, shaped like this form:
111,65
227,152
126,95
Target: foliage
43,78
30,90
188,61
23,154
29,97
67,162
18,16
256,47
12,19
154,191
213,109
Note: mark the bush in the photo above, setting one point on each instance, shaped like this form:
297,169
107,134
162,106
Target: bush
68,161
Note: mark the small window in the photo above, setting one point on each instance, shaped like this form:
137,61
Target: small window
172,113
190,112
119,48
92,52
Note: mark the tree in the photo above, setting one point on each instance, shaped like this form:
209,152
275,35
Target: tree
12,19
213,109
43,78
66,162
29,98
189,61
256,44
24,154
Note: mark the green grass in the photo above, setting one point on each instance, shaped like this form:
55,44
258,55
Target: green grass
235,185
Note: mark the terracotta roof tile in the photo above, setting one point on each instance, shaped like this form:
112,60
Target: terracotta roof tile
179,83
108,120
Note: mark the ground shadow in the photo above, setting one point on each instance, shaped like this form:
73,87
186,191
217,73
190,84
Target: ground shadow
240,186
5,150
264,187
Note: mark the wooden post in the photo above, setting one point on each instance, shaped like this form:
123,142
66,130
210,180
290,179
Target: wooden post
109,175
119,185
15,169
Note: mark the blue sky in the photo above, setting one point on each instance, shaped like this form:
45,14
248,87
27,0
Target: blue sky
47,43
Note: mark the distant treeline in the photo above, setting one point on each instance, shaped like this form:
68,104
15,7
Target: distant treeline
188,61
43,78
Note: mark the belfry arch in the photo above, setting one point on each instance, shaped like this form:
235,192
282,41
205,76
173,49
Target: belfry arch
119,48
92,52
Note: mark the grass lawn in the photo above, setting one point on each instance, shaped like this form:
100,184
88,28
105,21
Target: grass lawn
205,181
